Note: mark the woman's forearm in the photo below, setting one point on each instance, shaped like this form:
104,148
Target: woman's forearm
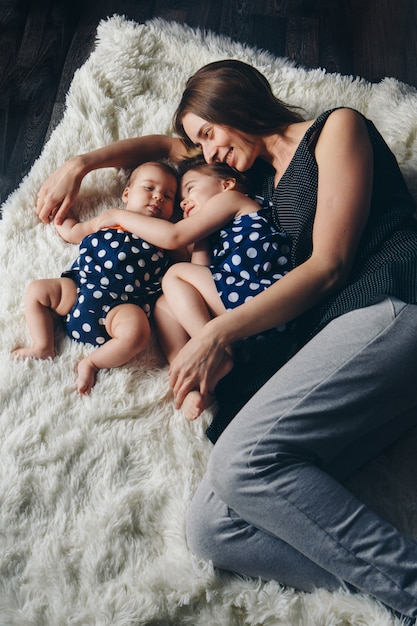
128,153
195,366
60,190
282,302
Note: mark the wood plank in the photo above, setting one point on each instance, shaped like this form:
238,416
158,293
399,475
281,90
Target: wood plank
382,31
302,41
36,74
43,42
335,41
206,15
83,41
12,26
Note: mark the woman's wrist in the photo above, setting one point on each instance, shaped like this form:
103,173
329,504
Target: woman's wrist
82,164
216,330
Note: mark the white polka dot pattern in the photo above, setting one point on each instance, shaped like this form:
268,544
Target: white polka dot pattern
248,255
113,267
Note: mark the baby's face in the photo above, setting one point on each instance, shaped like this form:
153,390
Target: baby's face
151,192
196,189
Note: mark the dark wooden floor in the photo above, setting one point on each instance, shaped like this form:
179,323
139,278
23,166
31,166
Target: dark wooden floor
42,43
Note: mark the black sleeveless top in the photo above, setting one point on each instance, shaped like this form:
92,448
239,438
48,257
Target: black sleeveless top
386,261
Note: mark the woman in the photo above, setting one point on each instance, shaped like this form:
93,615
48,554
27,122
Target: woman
272,503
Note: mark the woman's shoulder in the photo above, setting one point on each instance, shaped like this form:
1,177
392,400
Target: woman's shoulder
341,118
341,124
343,115
331,123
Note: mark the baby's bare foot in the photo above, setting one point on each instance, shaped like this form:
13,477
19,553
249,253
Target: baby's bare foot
33,353
194,404
86,378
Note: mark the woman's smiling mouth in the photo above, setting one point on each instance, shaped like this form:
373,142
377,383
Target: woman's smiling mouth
229,157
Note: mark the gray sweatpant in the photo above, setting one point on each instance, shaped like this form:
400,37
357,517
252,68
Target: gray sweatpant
272,504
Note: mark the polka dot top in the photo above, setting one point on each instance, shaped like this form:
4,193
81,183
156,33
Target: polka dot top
249,254
113,267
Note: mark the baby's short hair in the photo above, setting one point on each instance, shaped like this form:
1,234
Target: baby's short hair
217,169
163,164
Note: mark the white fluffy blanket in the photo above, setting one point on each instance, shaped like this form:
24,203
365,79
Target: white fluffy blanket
94,490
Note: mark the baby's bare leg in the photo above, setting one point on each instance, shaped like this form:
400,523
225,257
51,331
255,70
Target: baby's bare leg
43,299
172,337
171,334
192,297
128,327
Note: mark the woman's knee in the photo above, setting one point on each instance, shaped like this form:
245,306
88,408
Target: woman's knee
236,469
226,471
202,524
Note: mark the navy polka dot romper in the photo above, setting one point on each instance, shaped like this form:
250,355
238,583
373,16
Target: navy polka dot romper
113,267
248,255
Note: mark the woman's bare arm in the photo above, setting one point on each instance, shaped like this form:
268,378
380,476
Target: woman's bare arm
59,192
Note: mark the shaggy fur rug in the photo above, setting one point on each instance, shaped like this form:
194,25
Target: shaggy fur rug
94,490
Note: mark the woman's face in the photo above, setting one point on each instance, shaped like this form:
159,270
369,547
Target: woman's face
222,143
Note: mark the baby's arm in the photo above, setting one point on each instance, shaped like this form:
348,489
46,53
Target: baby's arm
74,231
216,212
201,254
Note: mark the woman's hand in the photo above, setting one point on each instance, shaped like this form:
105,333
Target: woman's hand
59,192
199,365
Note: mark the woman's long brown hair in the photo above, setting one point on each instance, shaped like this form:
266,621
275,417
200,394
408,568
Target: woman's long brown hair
234,94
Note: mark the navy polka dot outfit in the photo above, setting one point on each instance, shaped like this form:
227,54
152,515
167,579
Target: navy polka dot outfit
248,255
113,267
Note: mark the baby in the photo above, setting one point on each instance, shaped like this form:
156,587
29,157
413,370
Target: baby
105,299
